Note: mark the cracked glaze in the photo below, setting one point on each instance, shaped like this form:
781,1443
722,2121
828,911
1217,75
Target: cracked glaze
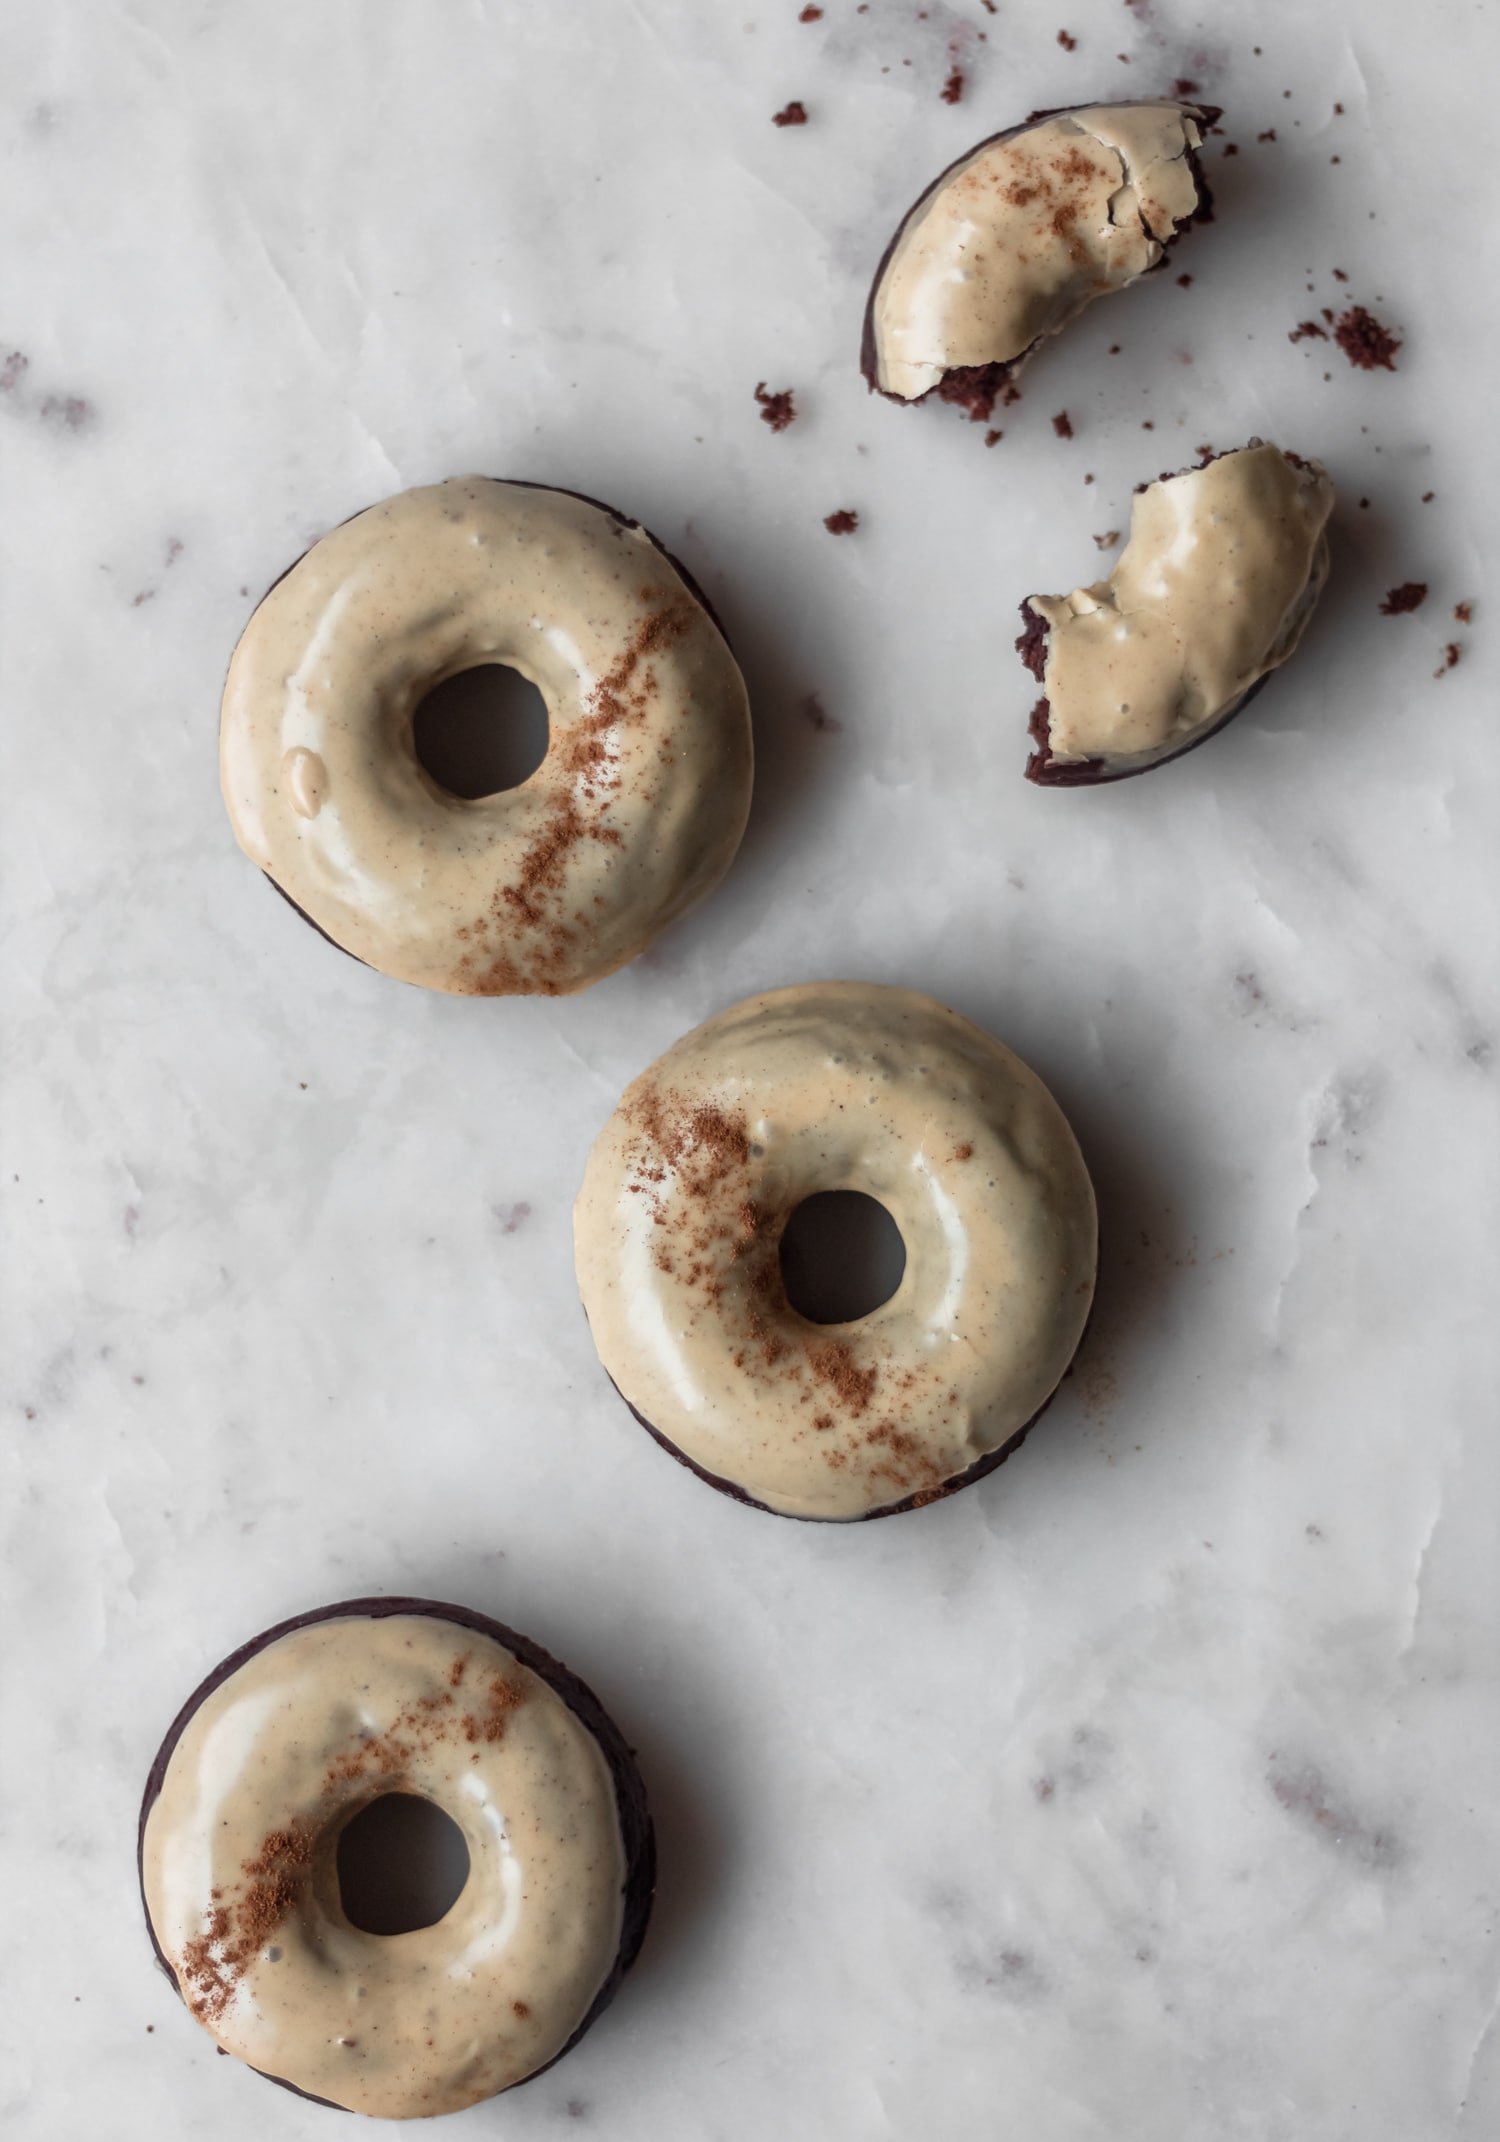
240,1883
836,1086
634,814
1013,243
1213,591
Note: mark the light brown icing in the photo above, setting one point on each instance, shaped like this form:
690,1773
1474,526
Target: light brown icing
634,814
1213,590
240,1882
836,1086
1016,240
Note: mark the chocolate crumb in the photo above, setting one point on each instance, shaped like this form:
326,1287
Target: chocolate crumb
1183,281
953,89
793,114
811,14
1339,109
1062,424
1339,276
1399,602
993,438
1464,612
1114,349
1184,86
842,522
778,409
1368,345
1067,40
818,715
1231,148
1428,497
1268,135
1451,654
1305,329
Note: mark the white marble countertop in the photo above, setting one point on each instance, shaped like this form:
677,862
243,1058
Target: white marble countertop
1147,1790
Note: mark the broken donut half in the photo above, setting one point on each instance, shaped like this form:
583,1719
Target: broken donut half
1214,589
1017,237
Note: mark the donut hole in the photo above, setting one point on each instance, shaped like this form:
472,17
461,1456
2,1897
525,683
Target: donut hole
402,1864
842,1256
482,731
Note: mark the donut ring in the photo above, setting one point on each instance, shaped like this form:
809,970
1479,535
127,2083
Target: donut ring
635,812
678,1224
283,1744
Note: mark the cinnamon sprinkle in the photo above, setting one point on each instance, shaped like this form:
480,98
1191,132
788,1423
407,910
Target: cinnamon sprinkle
243,1917
590,766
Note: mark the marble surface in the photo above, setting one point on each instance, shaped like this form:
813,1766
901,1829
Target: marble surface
1146,1790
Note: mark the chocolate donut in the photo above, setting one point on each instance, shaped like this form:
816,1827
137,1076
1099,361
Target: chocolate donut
1013,241
297,1732
1213,591
635,812
678,1224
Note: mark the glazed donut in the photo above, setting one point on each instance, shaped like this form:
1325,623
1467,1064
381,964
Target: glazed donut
677,1230
295,1734
635,812
1214,589
1014,240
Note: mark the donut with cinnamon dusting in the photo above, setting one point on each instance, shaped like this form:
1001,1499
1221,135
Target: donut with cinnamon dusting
678,1225
297,1733
634,814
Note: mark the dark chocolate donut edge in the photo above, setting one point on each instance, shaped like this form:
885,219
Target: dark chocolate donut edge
637,1832
1003,370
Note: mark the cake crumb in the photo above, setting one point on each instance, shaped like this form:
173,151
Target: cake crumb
1268,135
793,114
1062,424
1067,40
842,522
1401,601
1451,655
1464,612
811,14
993,438
953,89
1365,341
1183,281
1184,86
1109,539
778,409
1305,329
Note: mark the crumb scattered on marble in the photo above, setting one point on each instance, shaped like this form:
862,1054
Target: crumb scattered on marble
1062,424
778,409
1463,611
793,114
1108,540
843,521
953,89
818,717
1401,601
